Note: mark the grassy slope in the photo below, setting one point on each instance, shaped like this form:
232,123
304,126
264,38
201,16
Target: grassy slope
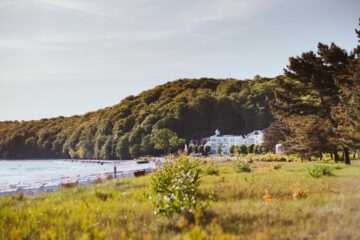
236,208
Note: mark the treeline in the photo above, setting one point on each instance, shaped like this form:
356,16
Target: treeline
317,103
155,122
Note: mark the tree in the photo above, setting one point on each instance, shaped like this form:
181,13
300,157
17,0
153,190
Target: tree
263,149
135,151
73,154
207,150
257,149
309,93
232,149
30,145
191,149
237,150
146,146
243,149
347,112
273,135
218,149
250,148
122,148
106,151
201,149
166,140
207,102
196,149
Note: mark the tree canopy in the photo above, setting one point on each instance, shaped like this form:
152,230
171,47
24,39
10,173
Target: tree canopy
189,108
317,101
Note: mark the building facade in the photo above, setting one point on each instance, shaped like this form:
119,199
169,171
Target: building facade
226,141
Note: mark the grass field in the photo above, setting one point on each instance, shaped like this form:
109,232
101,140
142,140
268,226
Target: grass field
296,206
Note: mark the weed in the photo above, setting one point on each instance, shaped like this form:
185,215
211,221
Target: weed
99,180
299,193
19,196
222,179
242,167
277,166
318,171
212,170
103,195
267,196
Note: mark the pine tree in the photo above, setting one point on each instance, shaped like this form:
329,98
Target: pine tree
306,96
273,135
347,112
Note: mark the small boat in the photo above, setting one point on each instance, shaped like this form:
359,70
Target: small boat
142,161
139,173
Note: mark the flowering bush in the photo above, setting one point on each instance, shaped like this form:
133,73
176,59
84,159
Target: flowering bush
272,157
175,186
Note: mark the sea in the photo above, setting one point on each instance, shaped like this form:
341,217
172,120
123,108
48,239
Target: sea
17,173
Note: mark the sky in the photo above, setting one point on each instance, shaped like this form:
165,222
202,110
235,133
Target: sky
66,57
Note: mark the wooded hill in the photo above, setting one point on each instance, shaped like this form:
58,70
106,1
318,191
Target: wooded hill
188,108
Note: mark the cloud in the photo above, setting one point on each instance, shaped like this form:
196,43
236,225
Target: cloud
213,10
63,40
125,46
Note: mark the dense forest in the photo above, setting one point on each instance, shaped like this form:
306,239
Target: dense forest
156,121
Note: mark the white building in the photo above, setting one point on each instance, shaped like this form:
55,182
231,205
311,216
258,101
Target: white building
257,136
226,141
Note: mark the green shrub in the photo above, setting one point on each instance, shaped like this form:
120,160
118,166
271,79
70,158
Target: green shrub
272,157
242,167
277,166
243,149
318,171
212,170
103,195
175,186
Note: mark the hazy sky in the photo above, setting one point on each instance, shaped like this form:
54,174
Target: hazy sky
65,57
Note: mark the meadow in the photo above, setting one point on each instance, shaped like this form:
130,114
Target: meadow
264,200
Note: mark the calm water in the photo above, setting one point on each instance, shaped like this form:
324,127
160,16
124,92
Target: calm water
30,172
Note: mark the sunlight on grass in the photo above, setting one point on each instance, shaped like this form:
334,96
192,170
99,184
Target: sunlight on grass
237,205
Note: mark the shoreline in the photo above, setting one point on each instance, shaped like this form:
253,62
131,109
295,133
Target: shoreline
51,185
